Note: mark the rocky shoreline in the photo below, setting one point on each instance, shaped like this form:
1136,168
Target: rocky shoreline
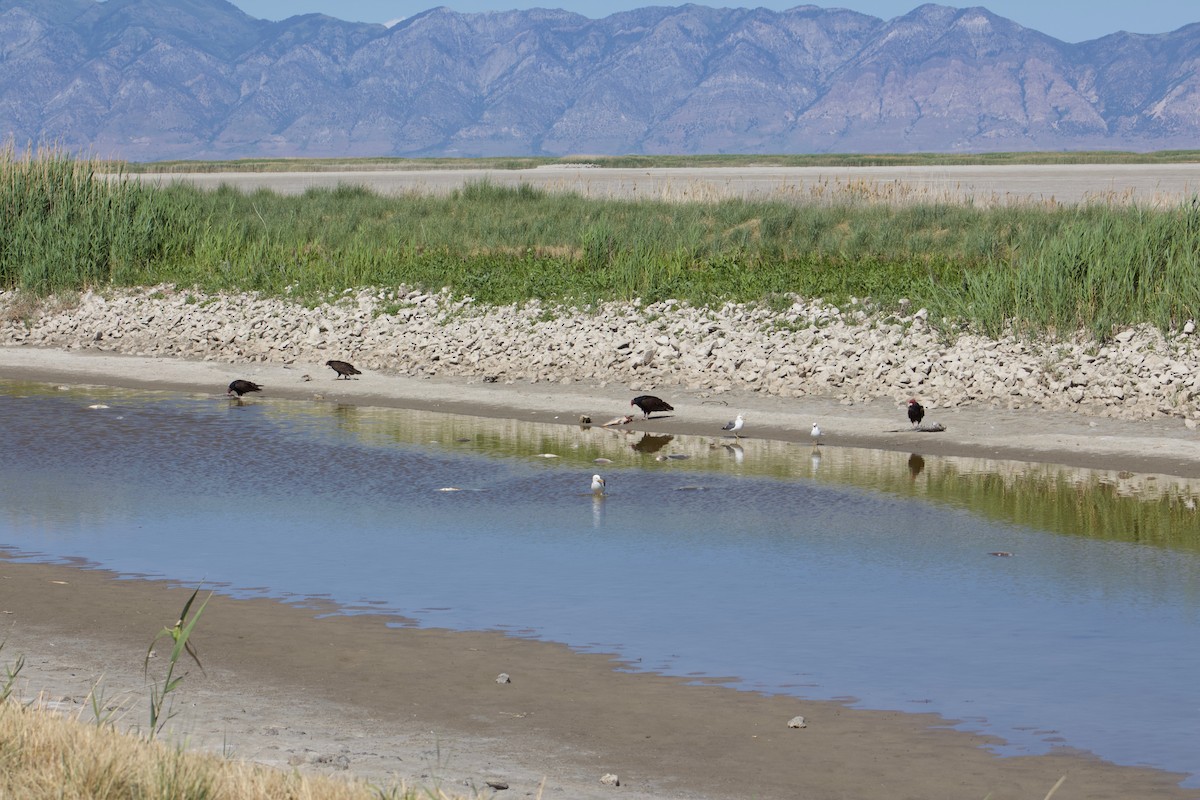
853,354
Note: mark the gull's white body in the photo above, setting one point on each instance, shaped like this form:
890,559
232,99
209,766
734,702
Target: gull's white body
735,425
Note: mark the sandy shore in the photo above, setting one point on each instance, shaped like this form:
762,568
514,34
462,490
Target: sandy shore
1162,445
287,686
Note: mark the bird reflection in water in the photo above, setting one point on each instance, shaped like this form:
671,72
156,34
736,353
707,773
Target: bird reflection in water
651,444
738,453
816,459
915,466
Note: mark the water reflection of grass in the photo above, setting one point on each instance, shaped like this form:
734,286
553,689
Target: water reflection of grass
1086,505
1142,509
1098,504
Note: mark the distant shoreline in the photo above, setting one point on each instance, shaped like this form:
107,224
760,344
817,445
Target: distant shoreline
1155,183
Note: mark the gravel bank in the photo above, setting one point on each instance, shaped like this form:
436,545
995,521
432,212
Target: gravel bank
853,354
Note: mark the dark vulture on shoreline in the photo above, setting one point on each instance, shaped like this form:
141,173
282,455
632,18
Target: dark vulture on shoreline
916,412
648,403
342,369
240,387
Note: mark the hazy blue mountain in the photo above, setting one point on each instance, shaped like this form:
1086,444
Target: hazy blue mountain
159,79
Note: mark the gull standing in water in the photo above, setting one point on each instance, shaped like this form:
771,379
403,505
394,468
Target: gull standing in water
597,485
735,425
816,434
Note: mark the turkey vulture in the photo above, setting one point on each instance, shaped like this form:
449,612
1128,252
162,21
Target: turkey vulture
916,412
648,403
735,425
342,369
240,387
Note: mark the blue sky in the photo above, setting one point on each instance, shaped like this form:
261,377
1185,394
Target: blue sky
1069,20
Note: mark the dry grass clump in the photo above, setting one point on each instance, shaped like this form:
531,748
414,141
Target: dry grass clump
19,306
45,755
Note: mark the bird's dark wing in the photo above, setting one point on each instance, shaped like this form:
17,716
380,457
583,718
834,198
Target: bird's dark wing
241,387
651,403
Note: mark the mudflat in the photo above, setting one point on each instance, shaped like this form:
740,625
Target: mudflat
1147,184
296,686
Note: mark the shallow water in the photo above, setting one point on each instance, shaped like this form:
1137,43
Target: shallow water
838,573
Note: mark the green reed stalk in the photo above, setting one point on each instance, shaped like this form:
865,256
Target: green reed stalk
1053,269
180,635
12,672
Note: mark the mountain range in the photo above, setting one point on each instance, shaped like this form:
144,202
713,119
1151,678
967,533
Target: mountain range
148,80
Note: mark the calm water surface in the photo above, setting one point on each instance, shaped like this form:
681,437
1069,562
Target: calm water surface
839,574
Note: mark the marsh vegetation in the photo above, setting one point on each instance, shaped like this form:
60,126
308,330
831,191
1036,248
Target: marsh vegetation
74,224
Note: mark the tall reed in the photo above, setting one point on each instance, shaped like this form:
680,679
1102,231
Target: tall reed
66,226
1101,270
1095,267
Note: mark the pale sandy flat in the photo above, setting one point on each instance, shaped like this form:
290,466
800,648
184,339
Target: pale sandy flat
1151,184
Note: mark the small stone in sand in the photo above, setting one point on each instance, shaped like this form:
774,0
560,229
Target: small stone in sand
503,678
797,722
608,779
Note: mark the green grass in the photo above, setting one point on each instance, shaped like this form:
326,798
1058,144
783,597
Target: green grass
1101,267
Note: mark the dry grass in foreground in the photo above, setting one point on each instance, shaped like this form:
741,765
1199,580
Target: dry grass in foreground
46,755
